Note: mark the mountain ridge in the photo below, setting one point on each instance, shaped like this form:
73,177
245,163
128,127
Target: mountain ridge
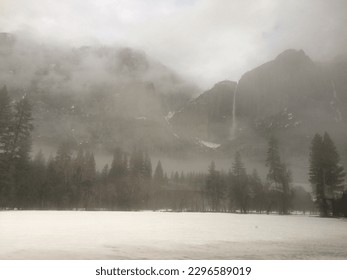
105,97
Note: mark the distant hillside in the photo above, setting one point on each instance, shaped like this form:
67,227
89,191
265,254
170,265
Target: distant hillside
209,116
294,97
103,97
99,96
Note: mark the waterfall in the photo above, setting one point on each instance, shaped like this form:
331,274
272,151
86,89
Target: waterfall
335,102
234,123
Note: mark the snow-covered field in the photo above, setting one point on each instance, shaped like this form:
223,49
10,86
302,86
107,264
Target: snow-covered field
157,235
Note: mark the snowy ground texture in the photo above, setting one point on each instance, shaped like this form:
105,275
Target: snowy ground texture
157,235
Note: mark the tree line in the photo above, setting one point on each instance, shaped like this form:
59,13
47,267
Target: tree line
70,179
238,191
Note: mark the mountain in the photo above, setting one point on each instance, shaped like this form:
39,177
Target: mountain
209,116
292,83
96,96
293,97
108,96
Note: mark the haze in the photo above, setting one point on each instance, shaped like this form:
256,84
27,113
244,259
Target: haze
207,41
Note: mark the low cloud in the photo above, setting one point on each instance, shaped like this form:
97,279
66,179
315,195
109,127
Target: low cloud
206,41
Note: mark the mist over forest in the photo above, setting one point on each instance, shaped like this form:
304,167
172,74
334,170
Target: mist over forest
128,101
103,97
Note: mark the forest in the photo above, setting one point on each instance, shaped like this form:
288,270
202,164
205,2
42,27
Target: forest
70,179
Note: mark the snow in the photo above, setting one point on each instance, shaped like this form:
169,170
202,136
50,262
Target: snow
163,235
169,115
209,144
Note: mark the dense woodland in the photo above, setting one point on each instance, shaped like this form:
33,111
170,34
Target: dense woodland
70,179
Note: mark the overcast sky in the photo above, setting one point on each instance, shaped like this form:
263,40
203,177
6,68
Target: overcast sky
205,40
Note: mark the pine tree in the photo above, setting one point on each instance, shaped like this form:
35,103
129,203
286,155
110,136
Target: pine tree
176,178
37,185
77,168
257,192
240,188
5,137
158,181
119,165
19,151
89,177
5,121
279,177
147,167
343,204
120,192
78,164
102,196
273,161
63,176
104,175
158,176
182,178
326,174
334,173
214,187
146,182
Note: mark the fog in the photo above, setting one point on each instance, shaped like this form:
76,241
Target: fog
126,113
206,41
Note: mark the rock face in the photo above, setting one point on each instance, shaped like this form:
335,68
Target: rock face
100,96
291,96
108,96
291,83
209,116
294,97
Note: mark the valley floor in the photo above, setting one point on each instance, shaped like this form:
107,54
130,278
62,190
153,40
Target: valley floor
163,235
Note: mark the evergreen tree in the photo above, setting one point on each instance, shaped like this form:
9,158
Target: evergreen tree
158,176
5,137
214,188
52,183
240,188
158,181
182,178
77,177
5,121
279,177
89,177
119,165
37,184
102,188
326,174
19,151
343,204
334,174
273,161
121,194
147,166
176,178
257,192
63,176
77,170
146,182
